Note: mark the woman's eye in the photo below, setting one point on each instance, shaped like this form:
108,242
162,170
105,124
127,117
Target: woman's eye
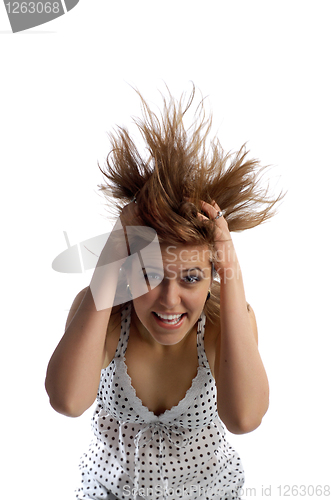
153,277
191,279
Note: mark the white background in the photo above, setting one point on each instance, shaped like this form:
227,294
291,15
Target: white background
266,69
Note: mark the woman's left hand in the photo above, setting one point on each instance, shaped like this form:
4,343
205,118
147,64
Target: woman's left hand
225,256
222,233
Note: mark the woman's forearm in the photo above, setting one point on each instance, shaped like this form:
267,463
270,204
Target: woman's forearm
242,385
73,372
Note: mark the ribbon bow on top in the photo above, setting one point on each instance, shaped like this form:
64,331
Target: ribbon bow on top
157,432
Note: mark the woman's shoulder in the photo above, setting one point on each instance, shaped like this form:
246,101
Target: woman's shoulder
75,305
212,332
77,302
212,327
113,327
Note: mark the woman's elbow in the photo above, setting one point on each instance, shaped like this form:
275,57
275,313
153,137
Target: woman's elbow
66,410
243,427
60,405
244,424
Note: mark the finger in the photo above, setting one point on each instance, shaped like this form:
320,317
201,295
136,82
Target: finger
206,205
215,205
201,216
209,209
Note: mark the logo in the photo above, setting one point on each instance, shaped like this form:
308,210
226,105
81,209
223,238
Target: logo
120,275
25,15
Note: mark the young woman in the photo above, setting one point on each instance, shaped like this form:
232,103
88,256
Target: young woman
164,337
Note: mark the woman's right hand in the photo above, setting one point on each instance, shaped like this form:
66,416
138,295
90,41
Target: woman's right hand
129,214
112,257
116,247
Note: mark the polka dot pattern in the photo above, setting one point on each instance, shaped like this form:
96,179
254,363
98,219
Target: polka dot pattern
135,454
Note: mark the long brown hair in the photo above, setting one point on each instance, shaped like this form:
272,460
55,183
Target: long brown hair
180,168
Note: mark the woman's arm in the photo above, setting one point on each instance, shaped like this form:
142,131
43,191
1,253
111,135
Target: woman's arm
242,385
73,372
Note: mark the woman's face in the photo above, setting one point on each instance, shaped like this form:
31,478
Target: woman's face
179,288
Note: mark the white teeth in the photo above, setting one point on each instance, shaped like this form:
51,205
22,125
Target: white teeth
170,317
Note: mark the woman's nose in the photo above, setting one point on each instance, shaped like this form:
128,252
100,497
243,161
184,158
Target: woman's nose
169,293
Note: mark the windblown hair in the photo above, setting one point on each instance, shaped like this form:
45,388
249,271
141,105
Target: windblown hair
180,168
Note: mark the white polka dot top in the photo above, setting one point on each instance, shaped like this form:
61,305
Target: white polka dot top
180,454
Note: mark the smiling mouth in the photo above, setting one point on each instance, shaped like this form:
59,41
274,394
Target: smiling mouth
169,319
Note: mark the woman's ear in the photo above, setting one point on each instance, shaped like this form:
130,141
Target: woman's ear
213,272
127,277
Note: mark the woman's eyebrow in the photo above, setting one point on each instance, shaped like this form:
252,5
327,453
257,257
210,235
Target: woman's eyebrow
193,269
148,268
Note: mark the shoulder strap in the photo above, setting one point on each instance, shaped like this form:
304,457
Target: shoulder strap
202,359
124,333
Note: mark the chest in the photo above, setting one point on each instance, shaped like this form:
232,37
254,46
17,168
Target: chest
160,382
